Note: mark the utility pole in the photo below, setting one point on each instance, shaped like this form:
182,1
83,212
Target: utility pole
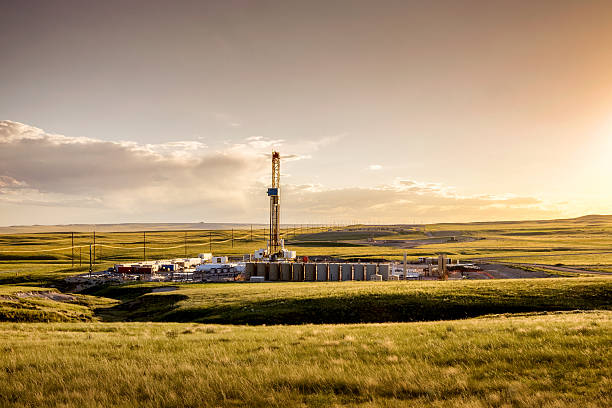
210,240
72,239
94,247
144,245
185,244
232,237
251,232
90,260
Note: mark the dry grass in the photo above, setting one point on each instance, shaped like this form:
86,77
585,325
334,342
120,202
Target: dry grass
547,360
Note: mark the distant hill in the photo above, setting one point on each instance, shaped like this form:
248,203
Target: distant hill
594,218
176,226
125,227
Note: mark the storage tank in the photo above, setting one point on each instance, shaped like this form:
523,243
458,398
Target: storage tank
298,272
383,270
370,271
285,269
262,269
347,272
358,272
309,272
334,272
274,271
321,271
249,270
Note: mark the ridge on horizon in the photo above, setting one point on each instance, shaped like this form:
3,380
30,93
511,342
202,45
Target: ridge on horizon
173,226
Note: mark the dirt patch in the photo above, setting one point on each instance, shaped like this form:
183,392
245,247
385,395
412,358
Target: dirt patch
500,271
164,289
58,297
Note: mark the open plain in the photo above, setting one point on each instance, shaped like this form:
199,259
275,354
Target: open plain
526,341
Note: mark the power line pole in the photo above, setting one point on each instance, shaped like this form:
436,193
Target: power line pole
144,245
232,237
72,239
94,247
251,232
185,244
90,260
210,241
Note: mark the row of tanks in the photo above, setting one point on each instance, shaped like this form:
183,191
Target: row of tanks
315,271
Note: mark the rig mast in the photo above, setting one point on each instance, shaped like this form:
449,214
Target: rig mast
274,193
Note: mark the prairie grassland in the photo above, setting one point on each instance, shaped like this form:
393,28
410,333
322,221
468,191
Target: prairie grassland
353,302
547,242
546,360
306,302
37,304
37,274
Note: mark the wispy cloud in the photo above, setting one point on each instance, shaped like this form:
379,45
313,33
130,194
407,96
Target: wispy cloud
190,180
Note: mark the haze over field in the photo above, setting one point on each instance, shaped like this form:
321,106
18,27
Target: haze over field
386,112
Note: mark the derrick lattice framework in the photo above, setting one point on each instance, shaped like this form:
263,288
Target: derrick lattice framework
274,193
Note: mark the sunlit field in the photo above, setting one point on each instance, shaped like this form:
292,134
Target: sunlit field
583,241
501,342
559,359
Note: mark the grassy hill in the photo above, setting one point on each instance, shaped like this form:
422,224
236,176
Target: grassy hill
559,359
585,241
36,304
522,342
352,302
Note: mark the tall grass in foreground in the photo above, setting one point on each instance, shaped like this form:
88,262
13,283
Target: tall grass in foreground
546,360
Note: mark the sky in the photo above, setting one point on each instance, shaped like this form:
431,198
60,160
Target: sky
383,112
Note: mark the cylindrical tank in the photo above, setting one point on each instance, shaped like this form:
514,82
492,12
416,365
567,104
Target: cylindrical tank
321,271
309,272
383,269
249,270
298,272
370,271
285,271
274,271
347,272
334,272
358,272
262,269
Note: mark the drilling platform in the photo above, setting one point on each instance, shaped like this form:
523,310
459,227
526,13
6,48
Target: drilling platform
275,244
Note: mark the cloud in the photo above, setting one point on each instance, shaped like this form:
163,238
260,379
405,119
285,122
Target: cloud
124,175
47,178
404,200
375,167
10,182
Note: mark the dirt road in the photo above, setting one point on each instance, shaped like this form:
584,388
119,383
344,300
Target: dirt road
564,269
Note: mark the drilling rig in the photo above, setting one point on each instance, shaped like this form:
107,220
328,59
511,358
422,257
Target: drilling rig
275,244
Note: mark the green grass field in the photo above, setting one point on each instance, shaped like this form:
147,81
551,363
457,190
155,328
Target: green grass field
353,302
549,360
585,241
520,342
309,302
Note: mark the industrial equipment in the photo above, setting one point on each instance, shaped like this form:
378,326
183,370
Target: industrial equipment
273,192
